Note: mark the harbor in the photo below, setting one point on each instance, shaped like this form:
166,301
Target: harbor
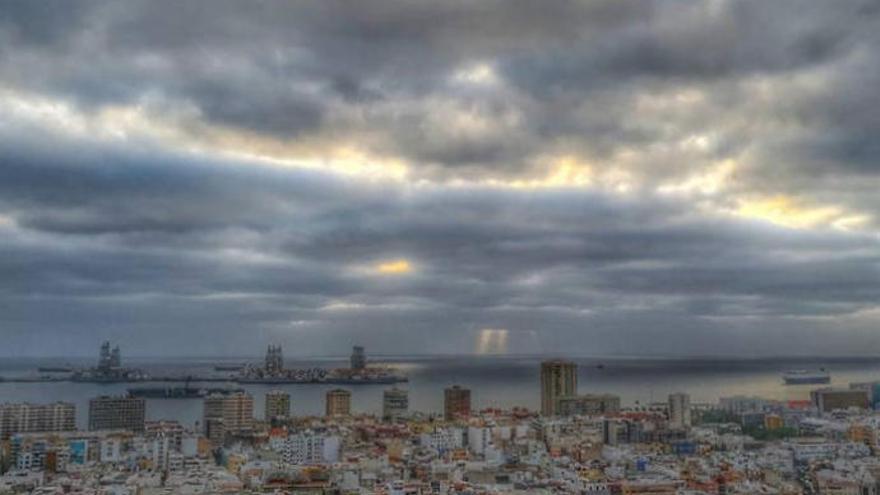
109,370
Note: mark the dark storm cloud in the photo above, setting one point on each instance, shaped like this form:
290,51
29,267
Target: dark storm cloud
288,70
694,42
142,235
46,24
294,249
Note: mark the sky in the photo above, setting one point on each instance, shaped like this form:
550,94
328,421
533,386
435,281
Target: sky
569,178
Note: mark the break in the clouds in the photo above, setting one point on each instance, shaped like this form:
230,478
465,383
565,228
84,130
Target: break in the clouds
522,177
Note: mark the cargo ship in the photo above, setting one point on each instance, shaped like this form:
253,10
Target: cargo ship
179,392
800,377
55,369
228,367
330,380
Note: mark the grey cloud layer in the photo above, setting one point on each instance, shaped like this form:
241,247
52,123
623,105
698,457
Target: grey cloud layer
569,70
136,239
162,242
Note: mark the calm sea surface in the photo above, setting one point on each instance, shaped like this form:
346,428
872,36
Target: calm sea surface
495,381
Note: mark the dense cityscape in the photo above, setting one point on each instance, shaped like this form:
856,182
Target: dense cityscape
577,443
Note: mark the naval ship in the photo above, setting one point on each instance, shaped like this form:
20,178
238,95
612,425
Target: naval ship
800,377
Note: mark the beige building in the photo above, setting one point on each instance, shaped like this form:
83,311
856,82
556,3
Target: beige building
829,399
117,413
277,405
34,418
338,402
456,403
395,403
558,379
679,410
228,414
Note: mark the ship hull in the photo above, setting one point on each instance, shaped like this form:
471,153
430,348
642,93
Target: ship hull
325,381
177,392
54,369
806,380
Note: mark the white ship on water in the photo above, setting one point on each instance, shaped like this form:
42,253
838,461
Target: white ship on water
797,377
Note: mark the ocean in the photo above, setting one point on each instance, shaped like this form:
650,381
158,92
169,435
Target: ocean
495,381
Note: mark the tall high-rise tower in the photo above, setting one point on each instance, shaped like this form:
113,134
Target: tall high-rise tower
395,404
117,413
558,379
338,402
231,414
456,403
277,405
679,410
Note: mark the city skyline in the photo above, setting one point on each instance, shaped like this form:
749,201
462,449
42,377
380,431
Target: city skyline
445,247
597,446
445,178
559,396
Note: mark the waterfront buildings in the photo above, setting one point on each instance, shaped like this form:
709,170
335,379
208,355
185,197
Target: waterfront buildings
623,450
590,445
679,410
395,403
358,358
338,402
29,418
456,403
830,399
873,391
228,415
117,413
558,379
277,407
